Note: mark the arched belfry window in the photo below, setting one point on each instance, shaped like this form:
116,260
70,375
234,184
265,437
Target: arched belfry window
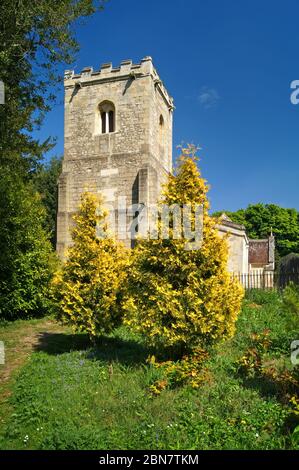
107,117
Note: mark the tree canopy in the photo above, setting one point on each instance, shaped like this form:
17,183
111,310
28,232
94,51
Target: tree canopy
261,219
35,38
179,297
45,181
26,258
87,289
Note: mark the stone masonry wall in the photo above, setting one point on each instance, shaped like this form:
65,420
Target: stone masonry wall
133,160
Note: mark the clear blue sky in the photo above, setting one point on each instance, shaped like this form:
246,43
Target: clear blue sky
228,65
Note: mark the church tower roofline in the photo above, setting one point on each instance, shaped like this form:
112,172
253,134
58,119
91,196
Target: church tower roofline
126,70
117,143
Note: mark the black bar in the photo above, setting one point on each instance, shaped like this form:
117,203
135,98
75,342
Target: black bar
142,458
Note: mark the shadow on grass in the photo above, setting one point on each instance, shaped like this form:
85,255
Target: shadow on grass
125,351
268,390
107,349
265,387
59,343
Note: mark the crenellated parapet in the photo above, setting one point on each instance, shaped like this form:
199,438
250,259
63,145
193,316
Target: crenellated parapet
117,142
126,70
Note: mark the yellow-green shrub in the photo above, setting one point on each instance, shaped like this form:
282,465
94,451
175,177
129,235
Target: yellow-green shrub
87,288
188,370
180,297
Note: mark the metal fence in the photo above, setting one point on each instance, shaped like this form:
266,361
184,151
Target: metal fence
266,280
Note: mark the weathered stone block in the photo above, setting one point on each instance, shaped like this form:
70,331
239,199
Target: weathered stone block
128,156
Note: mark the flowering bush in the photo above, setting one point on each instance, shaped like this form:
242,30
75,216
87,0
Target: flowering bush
188,370
87,288
180,297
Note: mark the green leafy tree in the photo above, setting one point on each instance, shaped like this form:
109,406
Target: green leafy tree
45,180
177,297
35,38
87,289
26,258
260,219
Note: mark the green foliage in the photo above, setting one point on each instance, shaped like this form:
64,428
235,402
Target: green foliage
291,298
188,370
178,297
87,289
265,309
259,219
26,258
295,436
251,361
291,304
259,362
263,297
45,180
35,38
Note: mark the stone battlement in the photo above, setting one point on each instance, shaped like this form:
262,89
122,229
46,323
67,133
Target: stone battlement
117,142
124,71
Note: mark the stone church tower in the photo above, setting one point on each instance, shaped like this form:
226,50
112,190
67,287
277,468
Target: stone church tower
118,138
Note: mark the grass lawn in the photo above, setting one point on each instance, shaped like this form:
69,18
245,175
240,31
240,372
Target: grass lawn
60,392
